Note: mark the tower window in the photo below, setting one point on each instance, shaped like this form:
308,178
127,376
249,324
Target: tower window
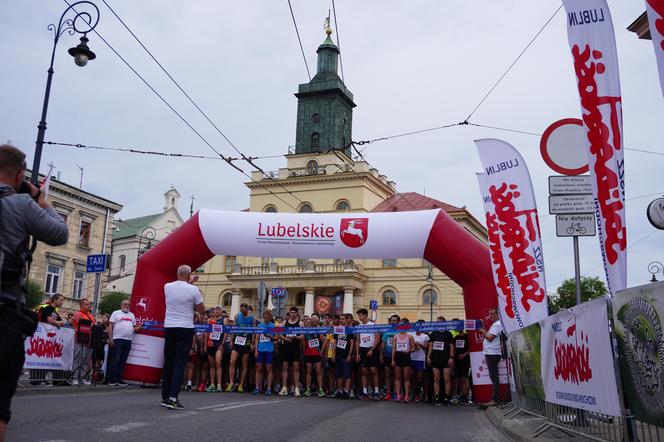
312,167
315,118
315,140
343,206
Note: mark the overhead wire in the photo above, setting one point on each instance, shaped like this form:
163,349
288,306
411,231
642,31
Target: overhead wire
336,30
299,40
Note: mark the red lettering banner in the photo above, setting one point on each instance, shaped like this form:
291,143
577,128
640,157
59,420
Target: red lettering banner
655,10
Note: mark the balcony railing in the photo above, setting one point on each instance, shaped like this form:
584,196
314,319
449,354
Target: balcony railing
310,267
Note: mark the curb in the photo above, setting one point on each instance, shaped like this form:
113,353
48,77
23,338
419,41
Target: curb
519,430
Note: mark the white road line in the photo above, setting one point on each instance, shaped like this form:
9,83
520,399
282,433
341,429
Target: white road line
125,427
181,415
247,404
223,404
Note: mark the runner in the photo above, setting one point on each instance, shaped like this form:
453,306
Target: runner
242,345
290,353
328,352
312,356
344,348
462,366
264,351
214,351
368,354
404,345
227,349
418,361
440,356
201,367
386,356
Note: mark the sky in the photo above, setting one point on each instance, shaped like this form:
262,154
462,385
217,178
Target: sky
410,65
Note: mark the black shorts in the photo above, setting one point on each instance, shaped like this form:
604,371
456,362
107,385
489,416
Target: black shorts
242,349
290,352
367,361
402,359
387,360
462,368
212,351
330,362
440,363
312,359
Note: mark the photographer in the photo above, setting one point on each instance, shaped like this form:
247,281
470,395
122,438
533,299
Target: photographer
24,212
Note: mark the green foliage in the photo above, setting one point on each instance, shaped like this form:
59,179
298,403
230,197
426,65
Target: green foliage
565,297
111,302
35,295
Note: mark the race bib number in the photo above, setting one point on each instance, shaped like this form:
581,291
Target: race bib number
240,340
402,346
264,339
313,343
290,335
460,343
342,344
390,341
332,345
215,336
438,345
365,341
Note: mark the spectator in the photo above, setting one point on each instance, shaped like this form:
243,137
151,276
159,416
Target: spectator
24,212
121,328
493,353
82,321
48,313
182,299
98,342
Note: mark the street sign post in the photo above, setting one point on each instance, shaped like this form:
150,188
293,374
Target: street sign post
569,204
96,264
570,185
576,225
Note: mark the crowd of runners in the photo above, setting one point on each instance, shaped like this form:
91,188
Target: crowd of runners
397,366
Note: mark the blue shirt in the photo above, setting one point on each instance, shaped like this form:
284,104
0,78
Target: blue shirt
388,339
264,341
244,321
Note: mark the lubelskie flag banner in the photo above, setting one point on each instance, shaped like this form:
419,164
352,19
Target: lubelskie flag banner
514,234
593,45
655,11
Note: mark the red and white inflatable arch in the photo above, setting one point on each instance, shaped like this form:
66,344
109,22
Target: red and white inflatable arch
431,234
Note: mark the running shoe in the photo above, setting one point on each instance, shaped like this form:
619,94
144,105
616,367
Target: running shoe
406,400
307,392
283,391
174,405
211,389
363,397
230,388
164,403
436,400
256,391
339,395
268,392
446,401
331,394
188,387
376,396
416,399
113,384
321,393
219,388
455,399
240,389
388,397
397,398
201,388
351,394
297,392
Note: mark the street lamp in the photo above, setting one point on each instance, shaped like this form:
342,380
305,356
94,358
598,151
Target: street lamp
654,268
82,23
430,281
148,233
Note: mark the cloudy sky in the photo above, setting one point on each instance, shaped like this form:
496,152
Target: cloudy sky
411,65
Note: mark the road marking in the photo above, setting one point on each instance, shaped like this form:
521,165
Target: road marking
125,427
181,415
248,404
223,404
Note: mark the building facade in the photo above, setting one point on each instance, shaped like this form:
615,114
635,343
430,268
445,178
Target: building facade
133,237
322,176
62,269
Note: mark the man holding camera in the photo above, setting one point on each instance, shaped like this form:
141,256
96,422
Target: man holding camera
24,212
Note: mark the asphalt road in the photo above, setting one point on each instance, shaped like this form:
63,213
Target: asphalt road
134,413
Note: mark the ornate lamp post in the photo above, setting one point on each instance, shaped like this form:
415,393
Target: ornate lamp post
149,234
654,268
430,281
82,23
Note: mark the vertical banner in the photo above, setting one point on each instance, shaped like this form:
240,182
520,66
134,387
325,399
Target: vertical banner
50,348
593,45
639,323
577,359
514,234
655,10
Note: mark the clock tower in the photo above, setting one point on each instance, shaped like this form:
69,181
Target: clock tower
324,106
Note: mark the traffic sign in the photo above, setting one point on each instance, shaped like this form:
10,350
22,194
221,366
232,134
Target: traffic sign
570,185
655,213
563,146
96,264
279,292
373,304
571,204
576,225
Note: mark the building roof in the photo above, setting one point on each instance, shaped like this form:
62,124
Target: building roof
132,227
409,201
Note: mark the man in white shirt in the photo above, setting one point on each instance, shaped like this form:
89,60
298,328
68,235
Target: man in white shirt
182,299
369,356
121,328
493,352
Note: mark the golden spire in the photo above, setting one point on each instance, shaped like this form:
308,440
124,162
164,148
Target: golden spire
328,28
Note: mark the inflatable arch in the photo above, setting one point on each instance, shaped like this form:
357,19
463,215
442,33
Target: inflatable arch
430,234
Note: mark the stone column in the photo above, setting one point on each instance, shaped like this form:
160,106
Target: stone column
235,302
309,301
348,299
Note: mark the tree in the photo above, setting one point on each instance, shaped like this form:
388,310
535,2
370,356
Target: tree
565,297
35,295
111,301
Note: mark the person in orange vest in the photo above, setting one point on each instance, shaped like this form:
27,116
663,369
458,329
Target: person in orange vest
82,321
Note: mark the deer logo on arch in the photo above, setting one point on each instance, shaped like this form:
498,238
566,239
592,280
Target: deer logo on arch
354,231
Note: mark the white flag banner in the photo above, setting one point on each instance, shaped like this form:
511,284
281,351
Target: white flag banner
655,11
46,184
577,359
514,234
593,45
50,348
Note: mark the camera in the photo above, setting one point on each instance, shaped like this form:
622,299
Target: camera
24,187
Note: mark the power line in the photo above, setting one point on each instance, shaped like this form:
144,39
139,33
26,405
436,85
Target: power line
513,63
304,57
336,29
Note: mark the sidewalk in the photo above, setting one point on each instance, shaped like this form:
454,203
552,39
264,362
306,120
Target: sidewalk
521,427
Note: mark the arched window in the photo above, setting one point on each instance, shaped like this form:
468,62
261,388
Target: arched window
312,167
315,118
429,297
270,209
226,299
306,208
315,140
343,206
389,297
